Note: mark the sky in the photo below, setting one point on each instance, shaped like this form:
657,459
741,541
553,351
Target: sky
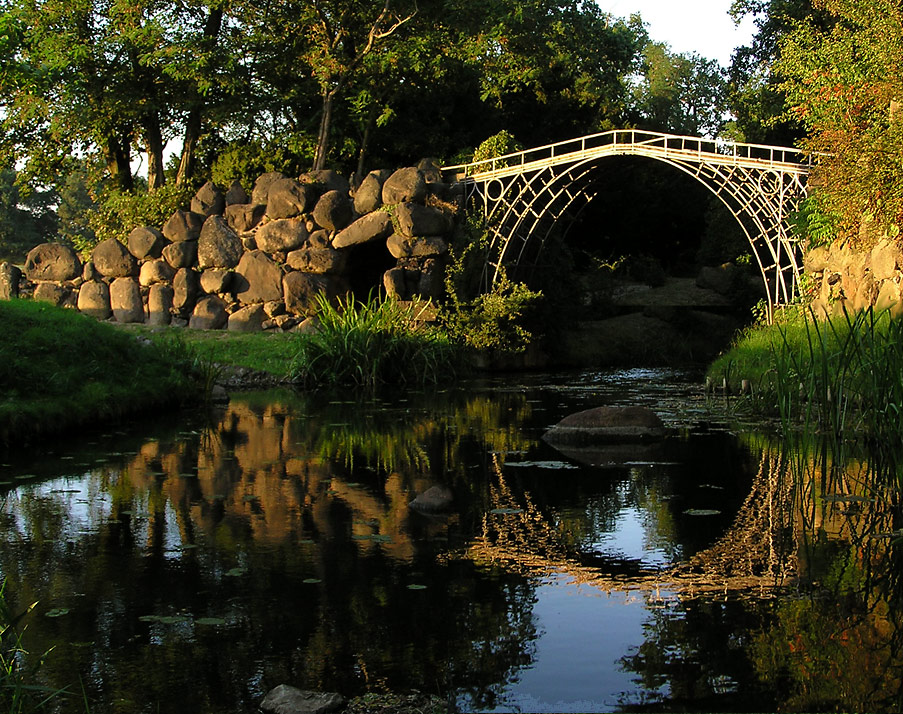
701,26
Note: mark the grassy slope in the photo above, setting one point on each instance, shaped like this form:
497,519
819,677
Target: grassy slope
59,369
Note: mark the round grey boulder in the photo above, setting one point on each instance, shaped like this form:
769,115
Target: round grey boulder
52,261
607,425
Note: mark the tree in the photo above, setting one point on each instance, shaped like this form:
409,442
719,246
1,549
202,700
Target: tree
844,83
681,93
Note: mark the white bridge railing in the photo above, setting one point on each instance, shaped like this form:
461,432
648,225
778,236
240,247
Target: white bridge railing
636,142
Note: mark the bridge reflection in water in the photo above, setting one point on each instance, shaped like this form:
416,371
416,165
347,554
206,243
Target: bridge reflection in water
274,544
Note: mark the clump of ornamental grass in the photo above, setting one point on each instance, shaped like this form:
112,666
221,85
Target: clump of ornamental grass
371,343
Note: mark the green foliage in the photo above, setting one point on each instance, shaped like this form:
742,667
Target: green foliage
497,145
117,213
245,161
369,344
25,221
43,388
814,223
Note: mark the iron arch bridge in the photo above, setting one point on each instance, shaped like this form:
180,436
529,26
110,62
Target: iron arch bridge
525,195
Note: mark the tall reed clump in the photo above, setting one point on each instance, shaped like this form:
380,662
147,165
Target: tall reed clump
842,376
371,343
19,692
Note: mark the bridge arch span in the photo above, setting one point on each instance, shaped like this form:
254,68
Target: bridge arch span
526,195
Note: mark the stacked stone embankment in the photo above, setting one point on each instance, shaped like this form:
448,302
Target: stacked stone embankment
842,277
250,262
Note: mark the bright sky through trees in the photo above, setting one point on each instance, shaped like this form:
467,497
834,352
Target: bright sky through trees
701,26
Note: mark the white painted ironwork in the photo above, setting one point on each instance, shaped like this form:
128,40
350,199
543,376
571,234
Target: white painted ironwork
524,195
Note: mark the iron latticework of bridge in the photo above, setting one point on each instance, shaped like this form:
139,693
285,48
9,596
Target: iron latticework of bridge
525,196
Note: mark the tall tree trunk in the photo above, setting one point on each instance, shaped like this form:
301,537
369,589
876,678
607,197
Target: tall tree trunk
323,135
118,160
154,139
193,122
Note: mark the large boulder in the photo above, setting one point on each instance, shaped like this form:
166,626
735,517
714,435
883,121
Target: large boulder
607,425
55,294
159,304
395,285
326,180
333,211
216,280
243,217
113,260
369,195
288,198
257,278
210,200
405,186
372,227
125,300
94,300
186,287
146,242
290,700
183,254
247,319
10,276
403,247
317,256
183,225
218,246
416,220
155,271
52,261
883,260
300,291
236,194
209,314
261,191
281,235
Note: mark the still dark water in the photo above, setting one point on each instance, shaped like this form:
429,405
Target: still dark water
192,563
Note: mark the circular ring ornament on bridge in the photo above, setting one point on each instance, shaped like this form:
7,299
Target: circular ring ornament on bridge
495,189
770,183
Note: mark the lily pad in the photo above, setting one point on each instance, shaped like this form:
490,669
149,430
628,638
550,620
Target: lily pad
210,621
57,612
311,581
165,619
236,572
701,512
542,464
506,511
415,586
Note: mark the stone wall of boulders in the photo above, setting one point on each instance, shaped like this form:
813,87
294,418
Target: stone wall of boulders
250,262
842,277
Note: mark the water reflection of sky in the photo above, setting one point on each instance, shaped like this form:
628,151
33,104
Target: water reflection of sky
583,633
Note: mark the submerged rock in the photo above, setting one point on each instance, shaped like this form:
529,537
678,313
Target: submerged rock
285,699
607,425
434,500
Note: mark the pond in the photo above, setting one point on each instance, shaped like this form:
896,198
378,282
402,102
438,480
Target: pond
193,562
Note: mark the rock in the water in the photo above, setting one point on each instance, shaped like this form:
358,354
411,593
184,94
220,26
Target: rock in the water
210,200
405,185
10,276
333,211
374,226
125,300
209,314
183,225
288,198
94,300
146,242
607,425
113,260
434,500
218,246
285,699
257,278
52,261
281,235
243,217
